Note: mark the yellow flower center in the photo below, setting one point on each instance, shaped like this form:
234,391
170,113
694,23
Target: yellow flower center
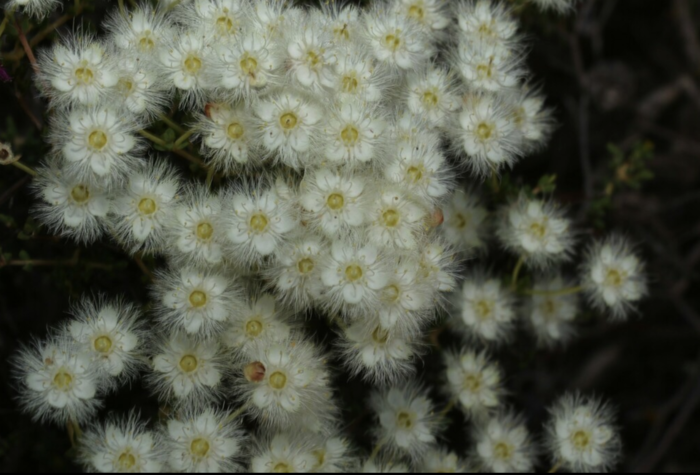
460,221
63,380
391,218
253,328
278,380
430,99
483,309
188,363
199,448
147,206
484,131
380,336
350,83
614,278
84,75
341,33
282,468
224,24
404,420
353,272
416,11
103,344
288,120
548,307
538,229
306,265
335,201
80,194
393,41
204,231
235,131
415,173
193,64
313,58
391,293
198,299
485,70
249,65
126,461
146,43
581,439
125,86
502,451
258,223
349,135
97,139
472,382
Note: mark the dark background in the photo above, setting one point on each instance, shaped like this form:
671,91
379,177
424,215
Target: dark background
619,72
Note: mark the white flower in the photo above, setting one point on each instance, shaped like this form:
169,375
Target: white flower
437,266
223,18
144,30
142,208
421,170
487,21
377,354
261,318
464,221
357,79
399,42
204,441
284,453
486,308
551,316
407,421
405,300
110,333
380,466
196,302
395,221
290,382
334,203
296,272
196,229
474,381
288,128
488,66
438,460
613,276
533,119
258,223
248,65
354,274
275,17
140,89
228,137
333,454
71,207
487,133
311,58
342,21
353,134
431,94
185,61
78,71
536,230
503,445
581,435
35,8
431,15
187,369
122,446
410,131
97,143
58,382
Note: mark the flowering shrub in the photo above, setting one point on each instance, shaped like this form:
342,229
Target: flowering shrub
336,143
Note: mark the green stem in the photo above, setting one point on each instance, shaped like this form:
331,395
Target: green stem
376,450
183,138
555,468
154,139
237,413
6,20
122,10
448,408
516,272
24,168
172,124
554,293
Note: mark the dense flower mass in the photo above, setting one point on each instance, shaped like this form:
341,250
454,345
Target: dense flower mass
328,149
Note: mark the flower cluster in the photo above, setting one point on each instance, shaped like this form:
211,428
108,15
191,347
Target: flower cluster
331,140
